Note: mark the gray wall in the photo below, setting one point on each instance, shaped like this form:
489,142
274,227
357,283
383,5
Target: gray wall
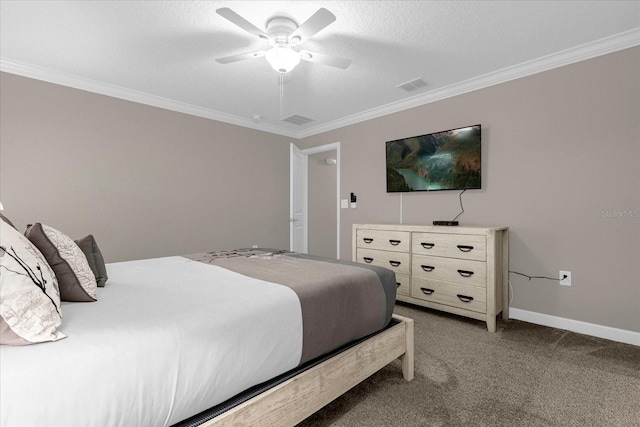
145,181
560,161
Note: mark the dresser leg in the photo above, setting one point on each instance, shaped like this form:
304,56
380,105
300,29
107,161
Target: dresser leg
491,324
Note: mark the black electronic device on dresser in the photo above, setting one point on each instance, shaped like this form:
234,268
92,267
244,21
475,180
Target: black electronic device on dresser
446,223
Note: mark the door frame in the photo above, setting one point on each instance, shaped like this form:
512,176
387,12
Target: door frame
313,150
298,173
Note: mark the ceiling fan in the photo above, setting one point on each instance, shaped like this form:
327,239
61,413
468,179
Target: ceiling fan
283,34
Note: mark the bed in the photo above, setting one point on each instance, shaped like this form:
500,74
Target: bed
168,339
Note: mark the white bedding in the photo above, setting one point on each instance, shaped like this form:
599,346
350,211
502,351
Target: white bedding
167,338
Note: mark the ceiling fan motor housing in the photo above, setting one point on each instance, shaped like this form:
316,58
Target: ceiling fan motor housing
279,29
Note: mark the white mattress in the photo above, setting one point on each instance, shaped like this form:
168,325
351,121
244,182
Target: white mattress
167,338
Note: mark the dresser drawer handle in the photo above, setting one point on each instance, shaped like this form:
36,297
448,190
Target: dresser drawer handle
465,273
398,284
367,240
394,263
394,242
427,291
464,298
465,248
367,260
427,268
428,245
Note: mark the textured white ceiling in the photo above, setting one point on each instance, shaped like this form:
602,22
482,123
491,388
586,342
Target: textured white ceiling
162,52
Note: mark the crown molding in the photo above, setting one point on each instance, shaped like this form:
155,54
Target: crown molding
76,82
583,52
586,51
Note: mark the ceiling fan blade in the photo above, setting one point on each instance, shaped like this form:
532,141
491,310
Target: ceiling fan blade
240,57
233,17
321,58
311,26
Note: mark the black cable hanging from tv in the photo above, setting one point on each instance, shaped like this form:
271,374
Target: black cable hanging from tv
461,207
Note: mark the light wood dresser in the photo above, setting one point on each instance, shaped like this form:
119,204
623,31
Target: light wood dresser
460,270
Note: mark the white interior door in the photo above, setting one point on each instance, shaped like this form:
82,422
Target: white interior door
298,201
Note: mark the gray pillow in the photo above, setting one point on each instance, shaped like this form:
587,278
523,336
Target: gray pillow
91,250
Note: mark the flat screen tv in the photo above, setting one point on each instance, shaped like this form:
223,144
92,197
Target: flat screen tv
446,160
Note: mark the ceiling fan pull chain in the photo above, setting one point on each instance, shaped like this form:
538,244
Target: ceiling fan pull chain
281,84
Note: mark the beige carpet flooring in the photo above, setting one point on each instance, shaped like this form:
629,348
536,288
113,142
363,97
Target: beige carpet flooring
523,375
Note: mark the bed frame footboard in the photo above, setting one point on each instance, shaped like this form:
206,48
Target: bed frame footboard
297,398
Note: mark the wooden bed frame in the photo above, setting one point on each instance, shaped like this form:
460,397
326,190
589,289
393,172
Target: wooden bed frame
297,398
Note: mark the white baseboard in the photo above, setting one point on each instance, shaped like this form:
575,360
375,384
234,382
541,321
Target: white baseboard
592,329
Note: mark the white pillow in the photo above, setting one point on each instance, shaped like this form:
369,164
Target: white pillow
29,298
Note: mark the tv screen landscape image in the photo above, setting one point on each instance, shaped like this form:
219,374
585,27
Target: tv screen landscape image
447,160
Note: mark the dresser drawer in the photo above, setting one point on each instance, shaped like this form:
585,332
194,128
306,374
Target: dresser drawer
471,298
465,246
397,241
396,261
463,271
403,283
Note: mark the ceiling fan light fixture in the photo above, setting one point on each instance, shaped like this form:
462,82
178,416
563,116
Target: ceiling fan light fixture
282,58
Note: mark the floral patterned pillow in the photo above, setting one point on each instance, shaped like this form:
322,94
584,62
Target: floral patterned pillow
29,299
75,278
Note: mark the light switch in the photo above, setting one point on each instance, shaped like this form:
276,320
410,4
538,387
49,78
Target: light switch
344,203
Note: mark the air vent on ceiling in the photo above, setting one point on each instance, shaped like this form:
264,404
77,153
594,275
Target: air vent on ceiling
412,85
297,120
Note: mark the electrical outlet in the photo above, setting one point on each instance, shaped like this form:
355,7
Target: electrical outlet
565,278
